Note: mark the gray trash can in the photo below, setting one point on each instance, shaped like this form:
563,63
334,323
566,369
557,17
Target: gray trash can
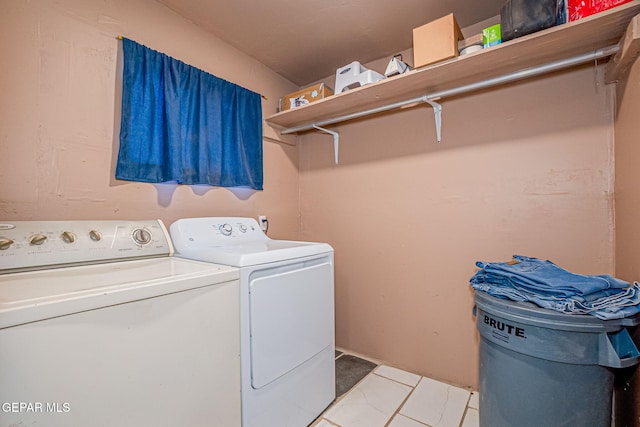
540,367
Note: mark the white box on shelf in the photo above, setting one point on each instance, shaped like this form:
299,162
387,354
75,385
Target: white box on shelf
354,75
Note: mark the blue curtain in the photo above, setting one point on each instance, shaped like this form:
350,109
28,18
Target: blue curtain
182,124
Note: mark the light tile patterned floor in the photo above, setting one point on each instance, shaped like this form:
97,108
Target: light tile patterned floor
391,397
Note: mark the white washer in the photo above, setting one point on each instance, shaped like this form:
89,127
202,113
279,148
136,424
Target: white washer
100,326
287,316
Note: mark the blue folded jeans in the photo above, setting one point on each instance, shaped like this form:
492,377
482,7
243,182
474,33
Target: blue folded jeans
549,286
546,277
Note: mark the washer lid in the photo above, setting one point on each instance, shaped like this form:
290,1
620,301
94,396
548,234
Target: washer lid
238,242
31,296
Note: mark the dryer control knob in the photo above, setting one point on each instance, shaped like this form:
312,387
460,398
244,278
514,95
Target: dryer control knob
226,229
243,228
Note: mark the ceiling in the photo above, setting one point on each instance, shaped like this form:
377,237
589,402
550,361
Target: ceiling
307,40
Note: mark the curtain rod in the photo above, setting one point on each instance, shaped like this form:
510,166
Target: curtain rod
263,96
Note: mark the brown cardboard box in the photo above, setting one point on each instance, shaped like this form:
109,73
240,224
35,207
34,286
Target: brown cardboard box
436,41
306,96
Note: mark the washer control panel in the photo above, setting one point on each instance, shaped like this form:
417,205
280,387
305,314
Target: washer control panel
26,245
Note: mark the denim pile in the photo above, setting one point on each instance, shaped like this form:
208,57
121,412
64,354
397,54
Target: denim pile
549,286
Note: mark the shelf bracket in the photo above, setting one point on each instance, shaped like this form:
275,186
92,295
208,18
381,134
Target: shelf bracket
336,140
629,50
437,112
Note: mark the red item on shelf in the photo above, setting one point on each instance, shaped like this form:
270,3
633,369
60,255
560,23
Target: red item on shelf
577,9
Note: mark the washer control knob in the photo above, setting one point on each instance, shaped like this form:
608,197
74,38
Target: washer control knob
141,236
226,229
68,237
95,235
5,244
37,239
243,228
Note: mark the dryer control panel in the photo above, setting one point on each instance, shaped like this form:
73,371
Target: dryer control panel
28,245
216,231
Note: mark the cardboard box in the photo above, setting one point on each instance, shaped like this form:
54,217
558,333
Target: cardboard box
436,41
306,96
577,9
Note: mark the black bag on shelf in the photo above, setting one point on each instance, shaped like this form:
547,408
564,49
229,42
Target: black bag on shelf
521,17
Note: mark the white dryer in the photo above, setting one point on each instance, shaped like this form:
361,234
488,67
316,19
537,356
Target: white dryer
287,316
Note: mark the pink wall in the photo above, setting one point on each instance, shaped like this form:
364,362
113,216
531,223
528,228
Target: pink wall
627,191
627,185
59,115
524,169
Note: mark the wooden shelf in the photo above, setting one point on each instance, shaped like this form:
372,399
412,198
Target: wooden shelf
595,32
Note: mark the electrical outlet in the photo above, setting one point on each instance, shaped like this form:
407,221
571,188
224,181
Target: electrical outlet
264,223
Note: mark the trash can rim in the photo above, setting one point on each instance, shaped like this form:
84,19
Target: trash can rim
531,314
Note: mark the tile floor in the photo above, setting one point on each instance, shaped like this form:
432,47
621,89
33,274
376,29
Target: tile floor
390,397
